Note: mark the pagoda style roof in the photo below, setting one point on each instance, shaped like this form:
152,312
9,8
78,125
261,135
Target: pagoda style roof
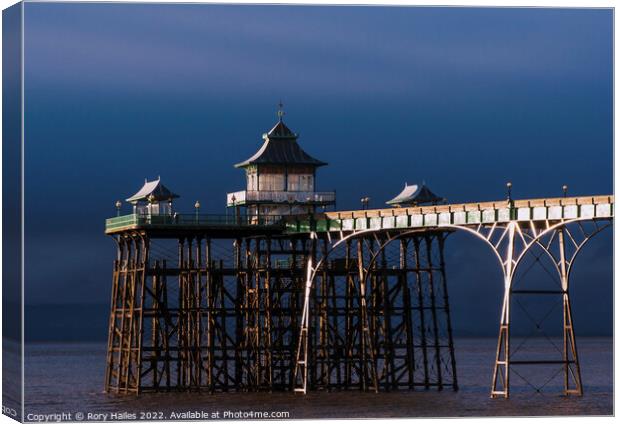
281,148
159,191
415,194
280,130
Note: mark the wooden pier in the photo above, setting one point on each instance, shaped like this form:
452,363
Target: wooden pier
280,296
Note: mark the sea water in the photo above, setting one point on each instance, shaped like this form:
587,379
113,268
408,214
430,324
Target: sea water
68,379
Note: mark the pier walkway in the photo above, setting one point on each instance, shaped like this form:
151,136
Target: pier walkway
464,214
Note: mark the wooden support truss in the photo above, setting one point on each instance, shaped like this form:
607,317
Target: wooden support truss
195,322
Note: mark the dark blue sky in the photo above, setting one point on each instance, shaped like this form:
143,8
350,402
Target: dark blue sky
465,99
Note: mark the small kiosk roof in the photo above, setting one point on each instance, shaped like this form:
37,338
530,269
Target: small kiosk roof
415,195
156,188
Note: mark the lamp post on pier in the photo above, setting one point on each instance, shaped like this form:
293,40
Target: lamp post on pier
509,200
234,203
197,207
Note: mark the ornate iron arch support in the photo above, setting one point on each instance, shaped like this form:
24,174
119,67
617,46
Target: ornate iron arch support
367,365
572,372
508,249
509,244
569,243
562,246
501,370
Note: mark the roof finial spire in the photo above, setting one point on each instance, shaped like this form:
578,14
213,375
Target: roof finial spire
280,111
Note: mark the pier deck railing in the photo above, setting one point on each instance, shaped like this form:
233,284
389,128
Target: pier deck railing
134,220
465,214
243,197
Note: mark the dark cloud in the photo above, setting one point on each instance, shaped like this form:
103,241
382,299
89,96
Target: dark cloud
463,98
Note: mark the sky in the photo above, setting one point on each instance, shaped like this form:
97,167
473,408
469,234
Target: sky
464,99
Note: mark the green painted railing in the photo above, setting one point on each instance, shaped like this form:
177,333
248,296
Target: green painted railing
185,220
